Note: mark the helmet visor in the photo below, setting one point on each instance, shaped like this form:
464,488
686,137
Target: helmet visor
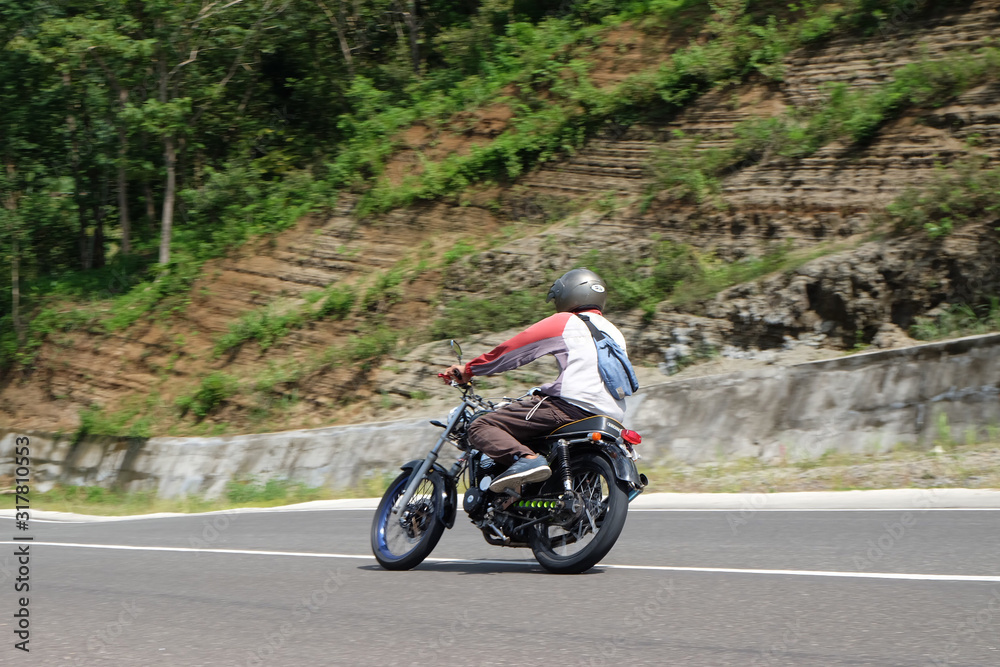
555,290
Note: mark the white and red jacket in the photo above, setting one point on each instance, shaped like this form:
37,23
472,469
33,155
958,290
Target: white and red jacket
567,338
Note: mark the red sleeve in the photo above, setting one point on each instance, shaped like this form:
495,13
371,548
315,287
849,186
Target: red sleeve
541,338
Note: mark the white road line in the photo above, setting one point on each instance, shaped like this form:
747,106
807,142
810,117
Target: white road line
276,510
813,573
750,508
699,509
654,568
48,520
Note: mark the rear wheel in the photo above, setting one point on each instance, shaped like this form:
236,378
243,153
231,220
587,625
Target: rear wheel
580,542
402,541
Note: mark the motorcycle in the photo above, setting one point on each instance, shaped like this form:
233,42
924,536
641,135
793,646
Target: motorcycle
570,521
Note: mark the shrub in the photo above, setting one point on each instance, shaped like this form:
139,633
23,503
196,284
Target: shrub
385,291
539,57
646,281
264,326
371,346
685,172
128,421
457,252
366,348
337,305
960,192
854,116
210,395
959,320
713,275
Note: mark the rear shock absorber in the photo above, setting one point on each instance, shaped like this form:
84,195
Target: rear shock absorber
562,449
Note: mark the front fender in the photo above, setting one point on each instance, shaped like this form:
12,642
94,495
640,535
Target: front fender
449,495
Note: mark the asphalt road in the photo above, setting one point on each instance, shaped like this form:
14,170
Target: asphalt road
797,588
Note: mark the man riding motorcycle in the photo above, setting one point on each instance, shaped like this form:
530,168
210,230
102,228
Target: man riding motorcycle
577,393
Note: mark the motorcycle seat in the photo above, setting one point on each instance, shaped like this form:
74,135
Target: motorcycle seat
583,427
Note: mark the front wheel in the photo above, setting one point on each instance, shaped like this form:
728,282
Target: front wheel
402,541
581,543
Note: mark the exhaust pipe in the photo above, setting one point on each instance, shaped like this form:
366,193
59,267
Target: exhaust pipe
644,481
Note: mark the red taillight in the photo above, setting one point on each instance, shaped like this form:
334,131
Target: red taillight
631,437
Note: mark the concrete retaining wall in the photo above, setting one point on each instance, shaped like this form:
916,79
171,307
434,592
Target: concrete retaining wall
861,403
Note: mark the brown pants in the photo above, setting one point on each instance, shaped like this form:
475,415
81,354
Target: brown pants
500,434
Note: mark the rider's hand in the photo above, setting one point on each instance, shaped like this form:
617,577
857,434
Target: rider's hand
456,373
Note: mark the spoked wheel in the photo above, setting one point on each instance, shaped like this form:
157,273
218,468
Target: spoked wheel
585,537
401,541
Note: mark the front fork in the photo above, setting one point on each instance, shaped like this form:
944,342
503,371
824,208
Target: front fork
411,486
432,456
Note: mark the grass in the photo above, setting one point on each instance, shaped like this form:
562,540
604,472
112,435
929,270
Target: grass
461,249
108,502
269,324
962,191
645,281
264,326
713,275
959,320
266,398
254,493
384,291
78,303
558,106
246,492
681,170
679,273
214,390
855,116
365,348
965,463
272,393
664,271
126,421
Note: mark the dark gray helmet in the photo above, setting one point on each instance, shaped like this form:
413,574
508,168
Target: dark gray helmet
578,289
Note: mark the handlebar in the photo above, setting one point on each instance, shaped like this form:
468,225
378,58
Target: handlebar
455,379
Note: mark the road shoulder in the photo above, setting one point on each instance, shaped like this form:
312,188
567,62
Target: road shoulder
886,499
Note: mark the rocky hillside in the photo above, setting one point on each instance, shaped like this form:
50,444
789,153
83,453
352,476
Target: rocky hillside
844,277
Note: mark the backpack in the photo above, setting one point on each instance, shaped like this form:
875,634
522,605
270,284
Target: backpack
612,363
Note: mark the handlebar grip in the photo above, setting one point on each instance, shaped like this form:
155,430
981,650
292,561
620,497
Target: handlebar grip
455,377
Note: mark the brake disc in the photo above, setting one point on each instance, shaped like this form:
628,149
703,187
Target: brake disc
416,518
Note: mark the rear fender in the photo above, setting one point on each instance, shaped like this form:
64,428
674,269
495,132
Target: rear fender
623,466
449,494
